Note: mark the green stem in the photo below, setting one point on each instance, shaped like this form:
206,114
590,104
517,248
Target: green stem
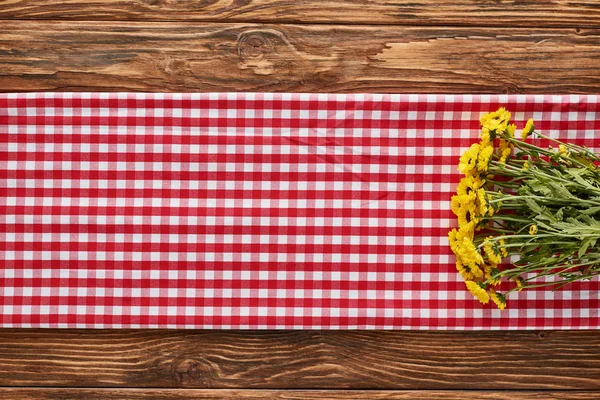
569,145
521,144
537,172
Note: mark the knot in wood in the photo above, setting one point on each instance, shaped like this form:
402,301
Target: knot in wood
253,46
192,372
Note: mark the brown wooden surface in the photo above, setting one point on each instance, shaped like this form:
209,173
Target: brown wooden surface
502,13
301,359
216,394
176,56
425,46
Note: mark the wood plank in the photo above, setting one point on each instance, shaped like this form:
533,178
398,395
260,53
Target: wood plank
301,58
184,394
509,14
301,359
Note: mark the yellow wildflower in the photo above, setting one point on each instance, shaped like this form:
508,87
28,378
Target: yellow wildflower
487,270
501,113
525,166
469,253
468,272
505,153
486,139
510,130
482,202
467,257
503,248
563,150
529,127
491,254
464,271
488,248
478,291
469,184
467,218
498,299
465,234
464,200
468,161
519,282
453,240
533,229
492,270
496,121
490,207
505,150
455,204
452,235
455,237
483,159
476,271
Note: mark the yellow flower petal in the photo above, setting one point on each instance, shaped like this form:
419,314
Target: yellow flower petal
497,120
563,150
510,130
491,209
503,250
455,204
463,200
519,282
489,271
482,203
468,185
476,271
505,153
486,138
468,161
478,291
464,271
498,299
469,253
483,159
466,218
490,251
529,127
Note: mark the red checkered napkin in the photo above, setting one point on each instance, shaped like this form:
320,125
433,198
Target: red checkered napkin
253,211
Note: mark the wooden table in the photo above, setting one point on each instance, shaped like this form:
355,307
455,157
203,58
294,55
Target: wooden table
430,46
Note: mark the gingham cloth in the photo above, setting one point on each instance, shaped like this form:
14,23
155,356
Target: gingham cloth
255,211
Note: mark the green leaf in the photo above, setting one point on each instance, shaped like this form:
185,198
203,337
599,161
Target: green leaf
576,173
539,187
533,206
584,247
560,190
590,211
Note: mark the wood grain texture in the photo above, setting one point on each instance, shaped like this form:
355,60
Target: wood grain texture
208,394
301,58
301,359
505,13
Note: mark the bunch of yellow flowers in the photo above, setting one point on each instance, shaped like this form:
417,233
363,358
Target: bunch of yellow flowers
534,206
